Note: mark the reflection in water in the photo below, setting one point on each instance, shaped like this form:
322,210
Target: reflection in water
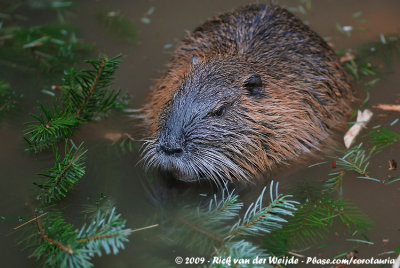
146,198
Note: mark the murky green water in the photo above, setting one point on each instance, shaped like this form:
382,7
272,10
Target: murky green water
139,195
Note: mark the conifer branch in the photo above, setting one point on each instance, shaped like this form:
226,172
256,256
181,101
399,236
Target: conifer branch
259,219
355,159
85,96
255,220
143,228
93,86
210,227
105,230
31,220
335,182
317,213
65,173
56,243
382,138
45,237
204,232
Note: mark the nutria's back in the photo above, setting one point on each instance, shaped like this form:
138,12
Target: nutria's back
243,92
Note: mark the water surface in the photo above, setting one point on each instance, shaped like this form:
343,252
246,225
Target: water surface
139,195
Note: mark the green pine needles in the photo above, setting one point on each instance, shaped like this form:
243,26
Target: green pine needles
364,64
49,128
56,243
385,50
382,138
317,213
65,173
219,226
86,93
243,250
335,181
85,96
50,47
355,159
260,219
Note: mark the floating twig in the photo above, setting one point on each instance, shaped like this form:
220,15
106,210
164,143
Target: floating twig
388,107
31,220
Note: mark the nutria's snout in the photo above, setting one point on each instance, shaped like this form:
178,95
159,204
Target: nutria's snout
245,91
170,145
171,152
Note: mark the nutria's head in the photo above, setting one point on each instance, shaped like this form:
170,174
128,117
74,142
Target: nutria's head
210,127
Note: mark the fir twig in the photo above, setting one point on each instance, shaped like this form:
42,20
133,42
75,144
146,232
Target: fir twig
31,220
335,182
65,173
104,231
355,159
317,213
56,243
49,128
49,240
85,96
207,228
259,219
382,138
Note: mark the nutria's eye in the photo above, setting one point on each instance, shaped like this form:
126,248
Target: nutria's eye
220,111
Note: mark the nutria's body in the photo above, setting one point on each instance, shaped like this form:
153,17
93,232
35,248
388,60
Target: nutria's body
243,92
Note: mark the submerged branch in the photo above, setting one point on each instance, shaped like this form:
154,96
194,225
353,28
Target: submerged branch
210,235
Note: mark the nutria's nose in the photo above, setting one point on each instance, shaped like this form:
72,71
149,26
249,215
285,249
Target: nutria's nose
169,150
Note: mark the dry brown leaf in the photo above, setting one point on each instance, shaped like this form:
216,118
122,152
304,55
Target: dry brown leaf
363,118
388,107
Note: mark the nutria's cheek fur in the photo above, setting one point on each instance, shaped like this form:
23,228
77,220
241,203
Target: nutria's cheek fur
245,91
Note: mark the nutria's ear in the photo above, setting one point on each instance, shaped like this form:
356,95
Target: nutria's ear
253,84
194,60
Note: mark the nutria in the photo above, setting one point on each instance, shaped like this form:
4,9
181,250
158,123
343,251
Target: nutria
245,91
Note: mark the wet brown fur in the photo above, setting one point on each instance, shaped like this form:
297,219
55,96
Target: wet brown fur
306,91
